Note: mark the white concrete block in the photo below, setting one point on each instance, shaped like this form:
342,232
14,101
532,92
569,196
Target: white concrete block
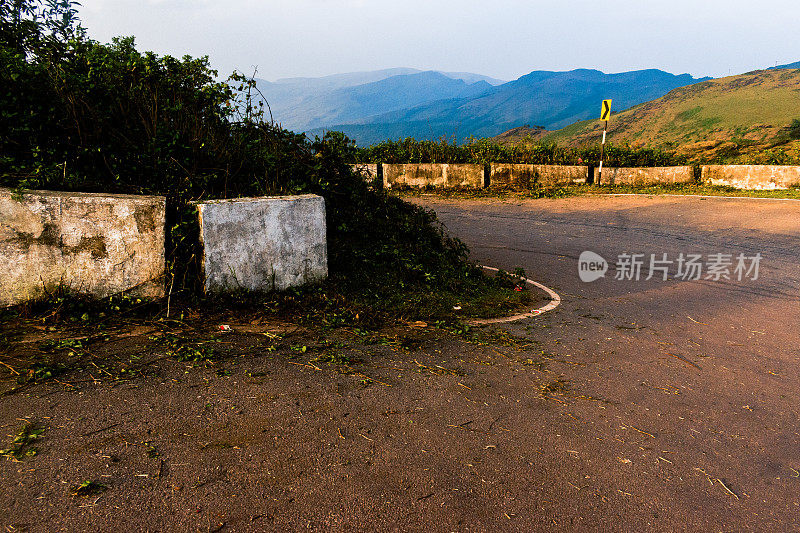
263,244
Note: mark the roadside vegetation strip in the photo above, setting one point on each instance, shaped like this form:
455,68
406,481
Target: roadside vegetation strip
568,191
713,196
555,301
693,189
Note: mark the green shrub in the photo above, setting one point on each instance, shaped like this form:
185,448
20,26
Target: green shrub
794,129
485,151
78,115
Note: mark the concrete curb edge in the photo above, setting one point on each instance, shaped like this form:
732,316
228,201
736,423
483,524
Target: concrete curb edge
555,302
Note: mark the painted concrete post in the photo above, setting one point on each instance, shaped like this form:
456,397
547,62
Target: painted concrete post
92,244
263,244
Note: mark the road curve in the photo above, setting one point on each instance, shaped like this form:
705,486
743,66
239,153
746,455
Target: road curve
694,385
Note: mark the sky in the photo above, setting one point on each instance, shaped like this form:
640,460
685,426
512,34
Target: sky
499,38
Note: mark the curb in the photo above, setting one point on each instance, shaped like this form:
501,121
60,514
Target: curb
555,302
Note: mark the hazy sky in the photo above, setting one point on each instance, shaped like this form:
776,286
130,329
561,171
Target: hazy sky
500,38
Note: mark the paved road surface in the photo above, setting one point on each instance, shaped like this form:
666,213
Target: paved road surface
704,375
634,406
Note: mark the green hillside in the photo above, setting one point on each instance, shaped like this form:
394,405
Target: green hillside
745,117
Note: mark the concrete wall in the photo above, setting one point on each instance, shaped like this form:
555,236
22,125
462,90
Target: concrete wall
548,175
514,176
263,244
522,176
645,175
94,244
433,175
752,176
368,170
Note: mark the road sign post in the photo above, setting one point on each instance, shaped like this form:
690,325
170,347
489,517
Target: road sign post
605,114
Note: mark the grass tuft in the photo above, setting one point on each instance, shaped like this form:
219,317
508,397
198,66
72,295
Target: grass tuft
22,443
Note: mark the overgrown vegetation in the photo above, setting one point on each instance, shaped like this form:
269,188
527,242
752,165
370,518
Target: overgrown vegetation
185,350
22,443
79,115
794,129
566,191
485,151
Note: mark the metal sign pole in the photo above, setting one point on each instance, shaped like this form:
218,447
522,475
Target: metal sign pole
602,153
605,114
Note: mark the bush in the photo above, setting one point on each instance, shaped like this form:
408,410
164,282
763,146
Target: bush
794,129
78,115
485,151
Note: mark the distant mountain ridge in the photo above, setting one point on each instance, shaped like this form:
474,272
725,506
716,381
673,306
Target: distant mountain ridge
431,105
351,79
794,65
393,103
301,104
353,104
548,99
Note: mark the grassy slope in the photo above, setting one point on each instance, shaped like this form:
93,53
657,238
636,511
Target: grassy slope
727,117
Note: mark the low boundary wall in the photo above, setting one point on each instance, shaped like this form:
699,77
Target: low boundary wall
758,177
433,175
523,176
644,175
561,174
263,244
93,244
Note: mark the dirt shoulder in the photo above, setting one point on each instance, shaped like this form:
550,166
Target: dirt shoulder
287,428
401,430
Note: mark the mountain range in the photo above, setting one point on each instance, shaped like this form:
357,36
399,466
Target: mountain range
302,104
389,104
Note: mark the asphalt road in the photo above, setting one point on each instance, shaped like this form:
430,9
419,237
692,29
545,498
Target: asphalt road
703,375
634,406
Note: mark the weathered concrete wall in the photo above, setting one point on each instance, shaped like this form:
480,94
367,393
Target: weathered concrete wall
522,176
514,176
752,176
94,244
548,175
368,170
433,175
644,175
263,244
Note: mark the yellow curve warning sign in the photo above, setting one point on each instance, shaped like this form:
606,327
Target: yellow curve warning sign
605,114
